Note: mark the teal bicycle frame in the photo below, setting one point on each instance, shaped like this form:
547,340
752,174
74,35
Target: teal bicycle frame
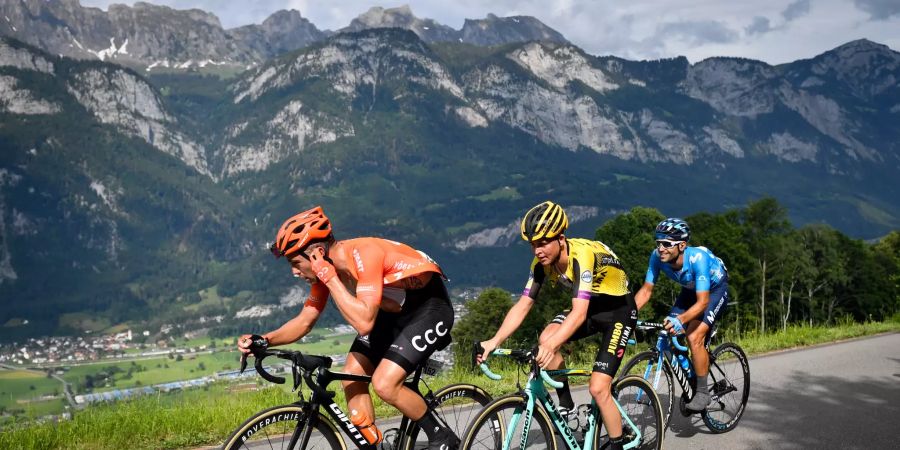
535,393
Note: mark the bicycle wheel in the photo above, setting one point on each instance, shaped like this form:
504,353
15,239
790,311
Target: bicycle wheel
729,373
647,365
504,419
644,414
272,429
457,404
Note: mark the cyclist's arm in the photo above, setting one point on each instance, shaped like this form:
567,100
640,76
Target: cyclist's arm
697,309
643,295
295,328
571,323
360,310
513,320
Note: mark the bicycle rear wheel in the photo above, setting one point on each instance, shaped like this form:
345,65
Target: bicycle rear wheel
729,374
503,420
643,414
648,365
456,405
272,429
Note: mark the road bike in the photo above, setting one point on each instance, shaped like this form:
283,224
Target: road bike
669,361
302,425
529,418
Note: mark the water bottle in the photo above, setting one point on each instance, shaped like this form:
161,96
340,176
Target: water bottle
685,364
366,426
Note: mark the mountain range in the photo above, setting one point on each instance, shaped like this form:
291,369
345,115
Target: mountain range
130,195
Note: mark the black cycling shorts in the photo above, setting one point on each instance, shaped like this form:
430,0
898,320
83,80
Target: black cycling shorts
410,336
612,316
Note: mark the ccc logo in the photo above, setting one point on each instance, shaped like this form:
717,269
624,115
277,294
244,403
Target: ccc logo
430,337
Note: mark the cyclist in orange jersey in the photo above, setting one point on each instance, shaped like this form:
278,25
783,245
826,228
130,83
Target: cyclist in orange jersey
392,295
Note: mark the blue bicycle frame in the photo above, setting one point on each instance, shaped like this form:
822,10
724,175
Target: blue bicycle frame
664,345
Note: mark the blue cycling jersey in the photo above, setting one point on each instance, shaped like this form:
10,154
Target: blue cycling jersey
701,270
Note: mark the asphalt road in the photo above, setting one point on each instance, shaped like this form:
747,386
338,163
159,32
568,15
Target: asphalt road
834,396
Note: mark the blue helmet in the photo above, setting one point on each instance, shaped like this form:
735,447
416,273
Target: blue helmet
673,229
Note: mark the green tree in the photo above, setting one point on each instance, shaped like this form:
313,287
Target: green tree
631,237
483,316
764,220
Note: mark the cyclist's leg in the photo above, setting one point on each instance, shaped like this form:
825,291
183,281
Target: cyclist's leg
363,357
424,329
616,327
357,392
697,330
563,394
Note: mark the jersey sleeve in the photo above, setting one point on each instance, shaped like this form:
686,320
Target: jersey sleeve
535,280
370,273
318,296
583,271
652,268
700,266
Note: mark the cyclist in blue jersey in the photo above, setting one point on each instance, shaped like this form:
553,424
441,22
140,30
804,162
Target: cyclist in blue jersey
702,300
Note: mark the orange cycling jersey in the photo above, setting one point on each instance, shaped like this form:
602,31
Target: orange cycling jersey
381,268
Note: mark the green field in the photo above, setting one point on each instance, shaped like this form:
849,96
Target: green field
22,389
16,392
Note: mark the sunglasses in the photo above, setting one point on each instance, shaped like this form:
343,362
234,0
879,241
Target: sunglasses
666,243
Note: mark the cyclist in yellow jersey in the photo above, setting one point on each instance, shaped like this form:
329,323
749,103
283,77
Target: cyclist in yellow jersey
601,304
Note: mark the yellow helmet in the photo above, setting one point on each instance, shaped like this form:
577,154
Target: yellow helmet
545,221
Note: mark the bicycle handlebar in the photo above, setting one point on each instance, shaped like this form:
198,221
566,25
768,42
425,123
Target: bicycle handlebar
656,326
304,362
521,355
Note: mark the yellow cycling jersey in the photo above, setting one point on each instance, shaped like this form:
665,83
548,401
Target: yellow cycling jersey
593,270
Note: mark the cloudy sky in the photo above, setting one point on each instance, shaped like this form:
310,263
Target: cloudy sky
775,31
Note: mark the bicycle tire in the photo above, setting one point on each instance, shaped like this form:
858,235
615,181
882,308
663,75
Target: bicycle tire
281,421
490,428
639,401
726,410
644,364
456,400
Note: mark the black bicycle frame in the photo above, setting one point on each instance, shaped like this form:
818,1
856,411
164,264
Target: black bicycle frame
320,396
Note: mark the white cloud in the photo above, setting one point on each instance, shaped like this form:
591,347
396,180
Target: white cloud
642,29
879,9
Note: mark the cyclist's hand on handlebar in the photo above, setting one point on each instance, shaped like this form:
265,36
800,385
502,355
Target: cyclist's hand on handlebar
324,270
674,326
545,354
249,342
487,347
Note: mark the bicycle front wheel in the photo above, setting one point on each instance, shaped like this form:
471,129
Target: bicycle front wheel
502,425
272,429
642,421
456,405
729,374
649,366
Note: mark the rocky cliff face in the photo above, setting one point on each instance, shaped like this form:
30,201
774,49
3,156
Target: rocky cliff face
492,30
158,37
148,35
572,100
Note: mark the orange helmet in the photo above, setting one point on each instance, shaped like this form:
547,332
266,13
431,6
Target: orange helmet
301,230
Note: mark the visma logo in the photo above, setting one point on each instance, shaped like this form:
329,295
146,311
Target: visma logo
429,336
